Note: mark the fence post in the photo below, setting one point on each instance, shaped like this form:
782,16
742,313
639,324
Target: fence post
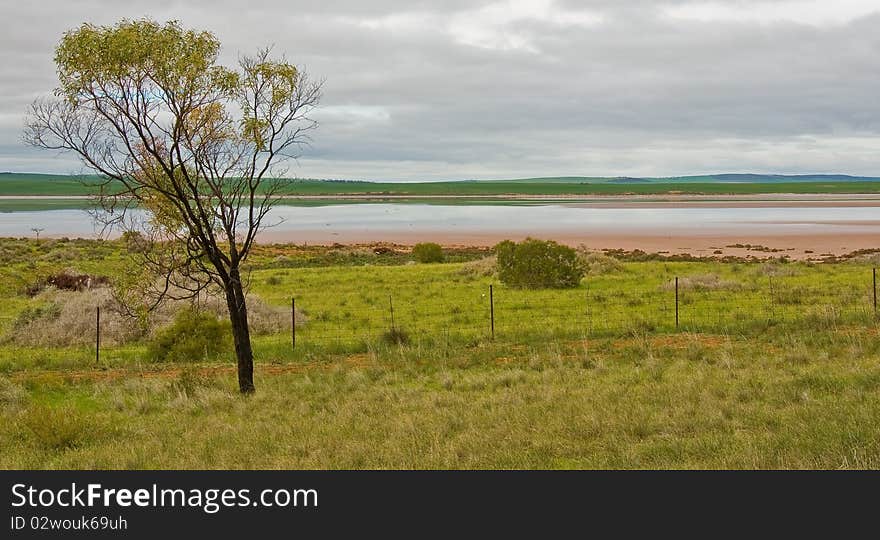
492,310
676,302
391,304
772,298
874,274
98,335
589,310
293,322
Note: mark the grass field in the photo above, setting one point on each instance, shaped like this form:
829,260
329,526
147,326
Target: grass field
773,365
12,184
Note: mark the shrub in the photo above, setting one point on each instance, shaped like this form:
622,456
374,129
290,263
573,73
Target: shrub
189,382
428,252
134,241
194,335
485,267
596,263
538,264
55,428
395,336
63,318
12,395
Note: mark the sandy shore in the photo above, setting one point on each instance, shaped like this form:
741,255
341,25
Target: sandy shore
709,243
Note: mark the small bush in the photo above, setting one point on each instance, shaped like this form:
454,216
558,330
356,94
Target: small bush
538,264
134,242
55,428
485,267
193,336
189,382
428,252
395,336
596,263
12,395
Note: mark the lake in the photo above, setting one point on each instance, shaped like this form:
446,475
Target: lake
487,223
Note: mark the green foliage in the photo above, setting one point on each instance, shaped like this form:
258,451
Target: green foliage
105,57
428,252
538,264
193,336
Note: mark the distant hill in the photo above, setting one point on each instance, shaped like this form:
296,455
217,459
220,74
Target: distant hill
767,178
727,178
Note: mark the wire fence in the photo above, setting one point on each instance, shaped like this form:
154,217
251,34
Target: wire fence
683,305
472,313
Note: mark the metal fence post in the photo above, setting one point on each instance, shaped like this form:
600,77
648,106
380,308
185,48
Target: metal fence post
391,305
676,302
293,322
98,335
492,310
874,274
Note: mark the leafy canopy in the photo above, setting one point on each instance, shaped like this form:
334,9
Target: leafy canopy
198,144
538,264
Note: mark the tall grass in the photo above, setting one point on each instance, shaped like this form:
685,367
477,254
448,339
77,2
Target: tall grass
772,367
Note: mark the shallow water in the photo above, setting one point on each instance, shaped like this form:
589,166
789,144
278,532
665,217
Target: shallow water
516,220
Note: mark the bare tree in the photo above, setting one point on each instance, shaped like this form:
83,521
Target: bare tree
200,146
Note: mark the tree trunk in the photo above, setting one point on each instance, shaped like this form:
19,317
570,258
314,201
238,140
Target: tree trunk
235,301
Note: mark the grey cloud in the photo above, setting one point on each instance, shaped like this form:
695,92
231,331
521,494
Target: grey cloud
638,93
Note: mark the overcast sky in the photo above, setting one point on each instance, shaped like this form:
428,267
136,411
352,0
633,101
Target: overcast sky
458,90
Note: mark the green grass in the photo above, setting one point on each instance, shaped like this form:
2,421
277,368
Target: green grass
774,365
14,184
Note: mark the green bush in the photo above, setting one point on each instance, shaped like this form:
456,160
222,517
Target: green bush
193,336
428,252
538,264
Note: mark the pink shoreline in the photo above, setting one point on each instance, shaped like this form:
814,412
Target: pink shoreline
704,243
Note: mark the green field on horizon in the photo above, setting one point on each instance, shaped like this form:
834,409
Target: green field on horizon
15,184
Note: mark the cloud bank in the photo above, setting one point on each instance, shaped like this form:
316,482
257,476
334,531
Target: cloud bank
419,90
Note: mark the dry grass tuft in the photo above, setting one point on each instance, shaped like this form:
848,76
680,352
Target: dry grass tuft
64,318
485,267
704,282
774,269
596,263
12,395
